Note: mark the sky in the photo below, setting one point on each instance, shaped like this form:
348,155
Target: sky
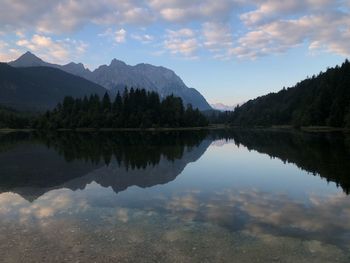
229,50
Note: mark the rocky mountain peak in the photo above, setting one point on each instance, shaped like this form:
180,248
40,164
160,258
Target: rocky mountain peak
28,59
118,74
117,63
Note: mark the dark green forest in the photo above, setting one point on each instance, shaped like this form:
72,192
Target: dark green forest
135,108
322,100
218,117
10,118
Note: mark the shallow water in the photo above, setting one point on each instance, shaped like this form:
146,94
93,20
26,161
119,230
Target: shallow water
223,196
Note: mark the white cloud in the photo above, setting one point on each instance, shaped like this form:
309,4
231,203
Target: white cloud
3,44
143,38
268,10
120,36
226,28
327,31
69,15
182,42
181,33
20,33
57,51
217,38
184,11
7,53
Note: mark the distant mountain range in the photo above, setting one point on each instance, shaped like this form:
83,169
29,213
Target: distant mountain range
117,75
222,107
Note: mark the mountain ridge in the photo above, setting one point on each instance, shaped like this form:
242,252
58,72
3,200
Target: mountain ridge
118,75
41,88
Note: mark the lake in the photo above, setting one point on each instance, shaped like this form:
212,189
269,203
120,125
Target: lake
190,196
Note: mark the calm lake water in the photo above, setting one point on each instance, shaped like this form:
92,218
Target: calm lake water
219,196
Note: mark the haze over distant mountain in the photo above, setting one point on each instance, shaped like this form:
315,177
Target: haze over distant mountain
117,75
222,107
41,88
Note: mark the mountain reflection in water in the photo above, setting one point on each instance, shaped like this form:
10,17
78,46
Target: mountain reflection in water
204,196
73,160
119,160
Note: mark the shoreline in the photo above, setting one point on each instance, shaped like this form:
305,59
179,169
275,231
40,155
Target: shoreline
210,127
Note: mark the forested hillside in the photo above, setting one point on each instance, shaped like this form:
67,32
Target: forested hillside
41,88
322,100
10,118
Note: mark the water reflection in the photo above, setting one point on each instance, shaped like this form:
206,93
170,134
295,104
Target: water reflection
177,226
31,160
32,164
59,201
321,154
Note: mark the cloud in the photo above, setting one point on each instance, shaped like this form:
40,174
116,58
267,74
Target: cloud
184,11
274,9
63,16
143,38
326,32
217,38
69,15
181,42
120,36
228,29
53,50
273,27
3,44
7,53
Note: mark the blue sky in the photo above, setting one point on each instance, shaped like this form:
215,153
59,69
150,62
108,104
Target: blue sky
230,50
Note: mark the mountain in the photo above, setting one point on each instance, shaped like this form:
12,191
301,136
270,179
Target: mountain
164,81
77,69
41,88
117,75
222,107
322,100
30,60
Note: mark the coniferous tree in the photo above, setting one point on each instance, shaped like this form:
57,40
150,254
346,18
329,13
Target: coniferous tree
321,100
135,109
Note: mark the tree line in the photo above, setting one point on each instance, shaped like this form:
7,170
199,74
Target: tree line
322,100
135,108
10,118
